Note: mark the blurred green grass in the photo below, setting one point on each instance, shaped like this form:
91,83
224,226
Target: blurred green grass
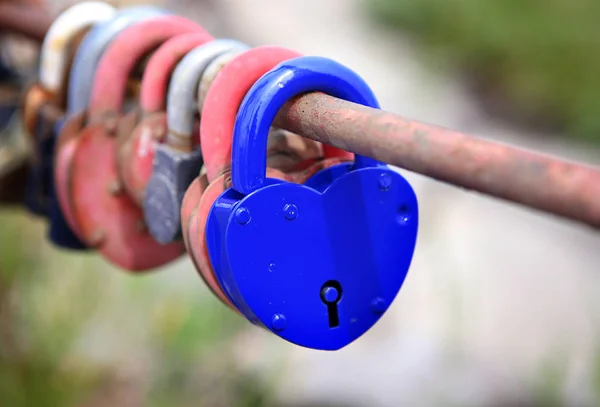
540,58
76,332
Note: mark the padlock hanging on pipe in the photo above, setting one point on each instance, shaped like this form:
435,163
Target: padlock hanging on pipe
110,221
220,105
313,266
83,69
178,160
136,153
45,104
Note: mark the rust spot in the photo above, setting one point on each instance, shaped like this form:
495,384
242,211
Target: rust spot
140,226
115,187
97,238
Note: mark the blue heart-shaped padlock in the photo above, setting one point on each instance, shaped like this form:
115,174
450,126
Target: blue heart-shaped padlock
316,266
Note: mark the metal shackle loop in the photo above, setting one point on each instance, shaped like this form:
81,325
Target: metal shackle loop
223,100
211,72
181,99
268,95
124,53
92,48
153,94
54,52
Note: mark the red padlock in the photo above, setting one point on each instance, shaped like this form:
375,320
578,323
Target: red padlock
108,219
136,154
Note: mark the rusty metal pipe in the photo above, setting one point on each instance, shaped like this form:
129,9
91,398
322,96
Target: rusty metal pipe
25,20
545,183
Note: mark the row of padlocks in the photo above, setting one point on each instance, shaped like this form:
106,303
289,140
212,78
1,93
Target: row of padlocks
153,139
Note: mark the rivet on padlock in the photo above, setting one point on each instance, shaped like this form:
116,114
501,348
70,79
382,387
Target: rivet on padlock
63,227
219,111
343,257
177,162
136,155
109,219
44,102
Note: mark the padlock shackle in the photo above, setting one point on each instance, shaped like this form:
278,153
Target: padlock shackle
181,99
54,54
262,102
92,48
109,88
153,94
210,74
224,98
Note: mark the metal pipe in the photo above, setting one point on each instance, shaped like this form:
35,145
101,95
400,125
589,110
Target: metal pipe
545,183
28,21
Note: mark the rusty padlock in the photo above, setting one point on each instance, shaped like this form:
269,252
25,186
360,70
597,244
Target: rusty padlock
109,220
81,77
136,153
44,102
178,161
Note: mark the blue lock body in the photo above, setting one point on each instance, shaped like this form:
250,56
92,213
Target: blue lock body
82,75
317,264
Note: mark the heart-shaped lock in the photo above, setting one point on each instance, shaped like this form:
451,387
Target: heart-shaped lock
109,219
317,268
136,154
63,227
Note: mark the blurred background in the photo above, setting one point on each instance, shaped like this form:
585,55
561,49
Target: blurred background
500,308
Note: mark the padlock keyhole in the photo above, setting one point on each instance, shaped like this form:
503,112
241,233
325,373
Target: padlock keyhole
331,295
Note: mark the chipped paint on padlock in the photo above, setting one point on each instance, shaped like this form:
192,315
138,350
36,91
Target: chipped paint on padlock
136,155
178,160
339,272
110,221
54,61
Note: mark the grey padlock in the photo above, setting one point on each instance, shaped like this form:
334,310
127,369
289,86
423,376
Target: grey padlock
178,161
173,172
